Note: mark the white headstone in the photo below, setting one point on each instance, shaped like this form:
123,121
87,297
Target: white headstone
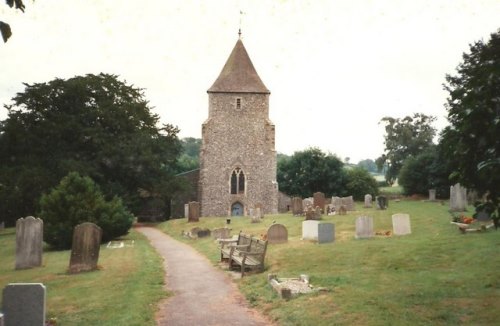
401,224
458,198
364,227
310,230
368,201
432,194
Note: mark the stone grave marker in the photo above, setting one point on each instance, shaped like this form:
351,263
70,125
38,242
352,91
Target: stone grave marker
85,248
297,206
342,210
24,304
319,200
432,194
306,202
364,227
382,202
317,213
310,213
326,232
310,230
401,224
194,211
29,237
348,202
458,198
368,201
186,210
221,233
2,226
277,233
336,202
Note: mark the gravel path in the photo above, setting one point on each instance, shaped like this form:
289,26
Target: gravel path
203,295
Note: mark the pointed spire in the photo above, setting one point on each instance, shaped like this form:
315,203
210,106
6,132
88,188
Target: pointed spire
238,74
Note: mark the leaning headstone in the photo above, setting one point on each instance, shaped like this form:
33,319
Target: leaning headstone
29,237
326,232
364,227
432,194
221,233
368,201
382,202
458,198
297,208
401,224
277,233
85,248
310,230
319,200
194,211
24,304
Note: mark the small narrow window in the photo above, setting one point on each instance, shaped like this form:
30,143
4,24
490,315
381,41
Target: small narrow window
238,104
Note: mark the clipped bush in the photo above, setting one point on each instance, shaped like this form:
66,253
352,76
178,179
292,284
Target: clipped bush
76,200
360,182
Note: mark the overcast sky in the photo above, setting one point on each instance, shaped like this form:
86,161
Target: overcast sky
334,68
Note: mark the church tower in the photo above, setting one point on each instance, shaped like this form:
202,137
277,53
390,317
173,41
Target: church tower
237,155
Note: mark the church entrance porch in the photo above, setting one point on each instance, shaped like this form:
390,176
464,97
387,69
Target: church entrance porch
237,209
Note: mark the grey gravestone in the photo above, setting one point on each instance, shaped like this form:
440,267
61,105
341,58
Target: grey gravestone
306,202
348,202
401,224
186,210
364,227
194,211
85,248
319,200
368,201
297,208
432,194
203,233
458,198
2,226
382,202
221,233
24,304
29,237
310,230
483,216
317,215
277,233
326,232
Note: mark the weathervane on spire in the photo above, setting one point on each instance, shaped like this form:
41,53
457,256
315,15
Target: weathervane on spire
239,30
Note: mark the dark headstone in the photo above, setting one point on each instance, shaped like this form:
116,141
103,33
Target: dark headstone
297,206
382,202
85,248
24,304
319,200
193,211
29,237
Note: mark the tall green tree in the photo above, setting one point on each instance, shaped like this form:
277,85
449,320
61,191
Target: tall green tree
95,125
189,158
404,138
360,182
309,171
472,141
368,164
5,29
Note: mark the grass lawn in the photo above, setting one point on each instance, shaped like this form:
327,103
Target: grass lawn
435,276
123,291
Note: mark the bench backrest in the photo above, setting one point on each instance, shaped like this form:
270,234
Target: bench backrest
258,246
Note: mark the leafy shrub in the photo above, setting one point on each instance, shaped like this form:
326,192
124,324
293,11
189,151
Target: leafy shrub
76,200
360,182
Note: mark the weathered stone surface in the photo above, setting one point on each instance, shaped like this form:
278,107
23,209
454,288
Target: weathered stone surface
326,232
432,194
368,201
2,226
382,202
342,210
319,200
24,304
297,208
348,202
186,210
336,202
221,233
458,198
310,230
364,227
284,203
29,238
193,211
85,248
310,213
277,233
401,224
307,202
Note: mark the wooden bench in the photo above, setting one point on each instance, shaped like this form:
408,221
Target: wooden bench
249,256
226,245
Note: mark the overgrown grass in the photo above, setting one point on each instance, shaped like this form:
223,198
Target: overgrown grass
435,276
123,291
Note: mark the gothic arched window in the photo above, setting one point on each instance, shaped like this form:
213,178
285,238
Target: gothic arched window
237,182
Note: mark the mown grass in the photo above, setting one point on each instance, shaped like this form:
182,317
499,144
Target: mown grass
124,291
435,276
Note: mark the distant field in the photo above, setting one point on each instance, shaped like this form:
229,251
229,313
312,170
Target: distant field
123,292
435,276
